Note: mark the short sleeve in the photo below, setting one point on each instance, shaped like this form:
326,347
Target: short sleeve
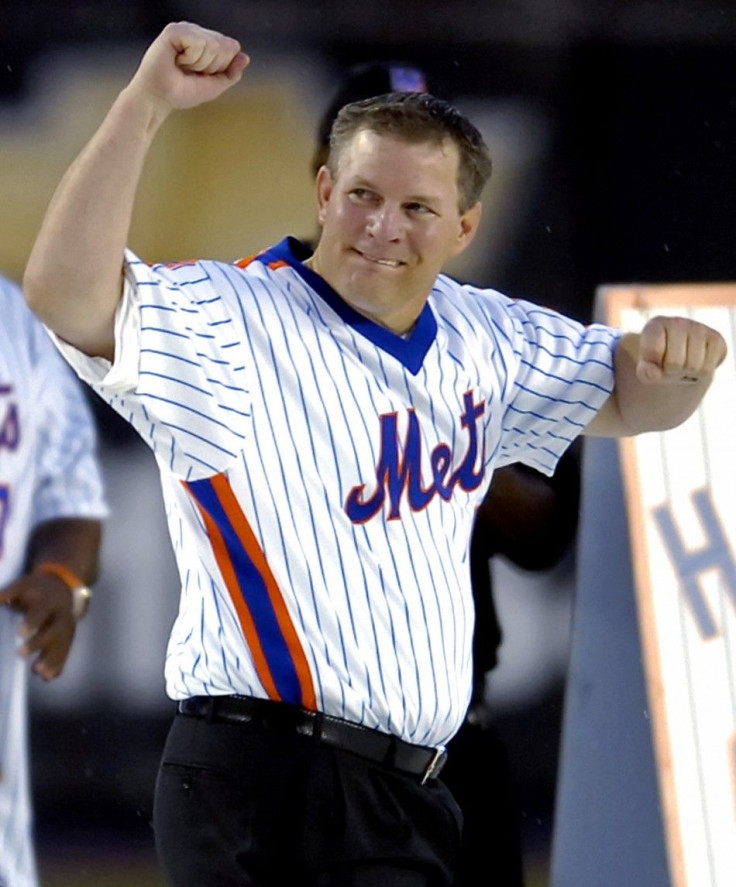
178,375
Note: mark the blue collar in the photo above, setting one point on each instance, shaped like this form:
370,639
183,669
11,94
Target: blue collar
409,351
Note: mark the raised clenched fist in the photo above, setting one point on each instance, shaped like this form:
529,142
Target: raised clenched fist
187,65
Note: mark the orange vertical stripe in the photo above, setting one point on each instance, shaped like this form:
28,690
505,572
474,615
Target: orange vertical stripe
250,543
246,620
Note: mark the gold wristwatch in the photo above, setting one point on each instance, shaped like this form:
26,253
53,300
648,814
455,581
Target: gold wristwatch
81,592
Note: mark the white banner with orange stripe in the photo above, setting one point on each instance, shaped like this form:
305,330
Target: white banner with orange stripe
681,503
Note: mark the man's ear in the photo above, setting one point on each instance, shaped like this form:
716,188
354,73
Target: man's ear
469,223
324,192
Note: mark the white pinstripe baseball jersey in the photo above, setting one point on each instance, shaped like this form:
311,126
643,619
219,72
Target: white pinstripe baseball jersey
47,470
321,474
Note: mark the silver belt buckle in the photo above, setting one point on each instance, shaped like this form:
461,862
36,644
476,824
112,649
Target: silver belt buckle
435,765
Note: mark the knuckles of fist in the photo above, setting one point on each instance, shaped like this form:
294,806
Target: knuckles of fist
684,350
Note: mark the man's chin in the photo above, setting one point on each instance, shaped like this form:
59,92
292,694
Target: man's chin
368,304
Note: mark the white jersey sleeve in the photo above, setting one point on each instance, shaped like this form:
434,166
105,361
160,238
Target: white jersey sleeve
179,375
546,375
68,476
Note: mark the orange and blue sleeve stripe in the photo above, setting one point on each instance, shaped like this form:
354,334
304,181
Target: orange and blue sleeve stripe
274,265
264,618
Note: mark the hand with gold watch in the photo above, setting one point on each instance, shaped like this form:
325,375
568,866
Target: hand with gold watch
80,591
52,599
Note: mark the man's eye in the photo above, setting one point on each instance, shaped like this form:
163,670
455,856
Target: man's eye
418,208
361,194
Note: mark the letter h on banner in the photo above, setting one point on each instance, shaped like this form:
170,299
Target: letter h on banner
716,554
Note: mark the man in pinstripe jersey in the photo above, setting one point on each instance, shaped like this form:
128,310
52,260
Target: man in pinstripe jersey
325,428
50,510
528,518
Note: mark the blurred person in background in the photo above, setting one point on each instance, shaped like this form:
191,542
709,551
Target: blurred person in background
528,518
51,507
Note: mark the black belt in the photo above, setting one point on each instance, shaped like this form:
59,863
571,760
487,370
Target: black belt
281,717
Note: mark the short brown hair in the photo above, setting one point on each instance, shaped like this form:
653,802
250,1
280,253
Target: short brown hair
417,117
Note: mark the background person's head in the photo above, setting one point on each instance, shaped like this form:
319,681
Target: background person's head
363,82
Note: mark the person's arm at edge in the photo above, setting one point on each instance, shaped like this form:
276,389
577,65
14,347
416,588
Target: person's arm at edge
661,376
73,279
46,601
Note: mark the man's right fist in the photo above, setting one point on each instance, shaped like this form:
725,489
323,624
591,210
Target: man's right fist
187,65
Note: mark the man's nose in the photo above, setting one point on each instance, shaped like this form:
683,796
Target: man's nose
386,223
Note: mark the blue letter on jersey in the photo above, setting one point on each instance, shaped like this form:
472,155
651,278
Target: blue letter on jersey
9,428
398,472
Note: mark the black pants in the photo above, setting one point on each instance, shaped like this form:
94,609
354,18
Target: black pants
238,805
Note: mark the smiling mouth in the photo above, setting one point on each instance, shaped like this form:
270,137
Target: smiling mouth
386,263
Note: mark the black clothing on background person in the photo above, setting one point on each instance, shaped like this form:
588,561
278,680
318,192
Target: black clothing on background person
531,520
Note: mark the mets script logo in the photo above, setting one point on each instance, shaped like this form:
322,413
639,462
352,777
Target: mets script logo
399,468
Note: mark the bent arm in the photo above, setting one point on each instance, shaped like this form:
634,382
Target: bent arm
72,541
45,600
661,376
73,279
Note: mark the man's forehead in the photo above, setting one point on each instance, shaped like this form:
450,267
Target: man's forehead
368,147
366,138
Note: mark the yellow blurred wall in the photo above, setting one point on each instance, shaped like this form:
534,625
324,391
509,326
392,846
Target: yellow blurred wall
222,181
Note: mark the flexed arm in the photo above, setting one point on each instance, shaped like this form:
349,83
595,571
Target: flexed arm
47,601
661,376
73,279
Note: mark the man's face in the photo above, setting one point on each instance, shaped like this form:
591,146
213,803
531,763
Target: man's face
390,220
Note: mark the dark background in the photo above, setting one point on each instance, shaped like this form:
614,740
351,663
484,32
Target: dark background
638,186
